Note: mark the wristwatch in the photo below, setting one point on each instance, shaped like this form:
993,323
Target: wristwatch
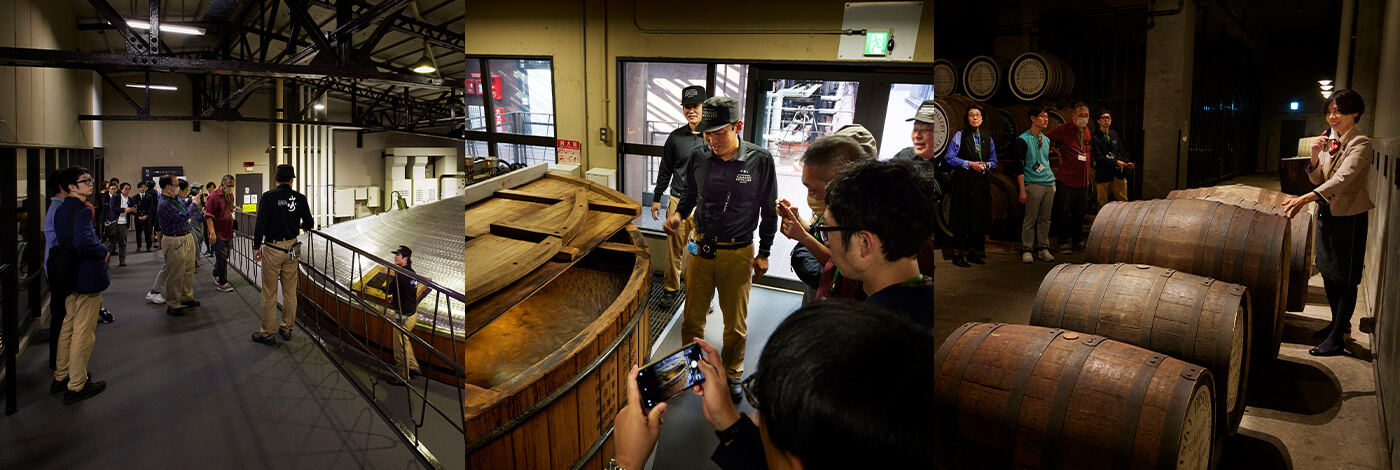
612,465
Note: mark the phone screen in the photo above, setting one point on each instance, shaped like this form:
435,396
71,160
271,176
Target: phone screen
664,378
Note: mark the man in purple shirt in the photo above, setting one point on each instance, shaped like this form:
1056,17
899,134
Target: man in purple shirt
173,216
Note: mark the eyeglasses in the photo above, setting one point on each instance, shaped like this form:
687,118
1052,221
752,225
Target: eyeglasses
748,386
85,181
821,227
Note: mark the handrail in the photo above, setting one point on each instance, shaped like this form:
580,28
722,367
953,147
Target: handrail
331,318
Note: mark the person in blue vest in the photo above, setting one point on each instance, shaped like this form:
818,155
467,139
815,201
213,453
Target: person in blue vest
972,154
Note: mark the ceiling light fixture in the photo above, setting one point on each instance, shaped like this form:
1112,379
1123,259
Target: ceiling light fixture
319,107
152,86
167,28
423,65
1326,94
1324,82
1327,87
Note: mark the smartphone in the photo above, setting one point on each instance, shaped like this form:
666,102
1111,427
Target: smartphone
670,375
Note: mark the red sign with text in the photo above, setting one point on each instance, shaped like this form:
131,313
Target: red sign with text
474,86
570,151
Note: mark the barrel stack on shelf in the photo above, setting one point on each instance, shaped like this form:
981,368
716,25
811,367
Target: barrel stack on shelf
985,77
946,75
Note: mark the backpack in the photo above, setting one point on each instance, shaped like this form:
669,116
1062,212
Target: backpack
62,266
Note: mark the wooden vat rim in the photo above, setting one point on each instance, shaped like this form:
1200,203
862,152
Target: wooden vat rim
580,341
631,291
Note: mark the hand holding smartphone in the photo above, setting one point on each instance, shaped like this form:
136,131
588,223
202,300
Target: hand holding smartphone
670,375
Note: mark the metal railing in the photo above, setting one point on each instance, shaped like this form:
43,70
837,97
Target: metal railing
346,313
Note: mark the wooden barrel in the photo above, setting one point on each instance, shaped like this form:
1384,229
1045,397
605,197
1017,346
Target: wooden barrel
1301,228
1293,176
1305,146
1006,207
1036,75
1015,119
945,77
1193,318
1206,238
985,76
1014,396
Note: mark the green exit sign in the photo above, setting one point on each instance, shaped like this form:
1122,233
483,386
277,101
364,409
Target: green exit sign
877,43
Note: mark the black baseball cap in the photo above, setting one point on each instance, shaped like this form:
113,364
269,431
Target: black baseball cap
718,112
925,112
692,95
404,250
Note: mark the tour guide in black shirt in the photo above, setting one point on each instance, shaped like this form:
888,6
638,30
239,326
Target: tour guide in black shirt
729,187
675,157
281,213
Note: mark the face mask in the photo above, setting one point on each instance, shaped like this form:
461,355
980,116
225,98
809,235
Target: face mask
1081,122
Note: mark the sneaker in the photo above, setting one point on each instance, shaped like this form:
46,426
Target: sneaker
155,297
1027,258
1065,249
1081,246
1044,255
104,316
89,390
285,334
268,340
225,287
58,386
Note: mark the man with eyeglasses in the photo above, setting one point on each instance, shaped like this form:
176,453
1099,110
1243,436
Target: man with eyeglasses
1110,161
730,187
174,213
675,158
816,397
82,292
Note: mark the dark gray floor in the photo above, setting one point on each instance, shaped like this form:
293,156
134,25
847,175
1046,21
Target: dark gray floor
687,440
194,392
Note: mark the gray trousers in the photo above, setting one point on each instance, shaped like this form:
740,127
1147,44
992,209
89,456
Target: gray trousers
1035,226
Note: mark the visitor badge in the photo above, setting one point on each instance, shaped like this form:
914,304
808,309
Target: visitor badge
1038,168
1083,157
692,248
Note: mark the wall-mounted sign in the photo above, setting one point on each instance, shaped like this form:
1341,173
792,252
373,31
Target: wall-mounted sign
569,151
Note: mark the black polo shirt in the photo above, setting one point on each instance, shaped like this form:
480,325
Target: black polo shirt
675,160
282,214
729,197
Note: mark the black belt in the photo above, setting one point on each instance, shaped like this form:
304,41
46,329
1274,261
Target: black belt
733,246
168,234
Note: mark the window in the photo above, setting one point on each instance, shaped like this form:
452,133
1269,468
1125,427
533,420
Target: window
510,109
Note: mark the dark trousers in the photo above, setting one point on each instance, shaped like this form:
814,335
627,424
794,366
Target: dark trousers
143,234
1067,217
221,261
57,311
116,240
1341,296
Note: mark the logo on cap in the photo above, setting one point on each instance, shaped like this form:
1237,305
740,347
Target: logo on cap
691,93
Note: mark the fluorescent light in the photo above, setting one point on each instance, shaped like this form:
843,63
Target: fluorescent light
151,86
167,28
319,106
1324,82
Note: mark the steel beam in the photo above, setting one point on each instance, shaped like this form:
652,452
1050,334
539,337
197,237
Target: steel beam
109,117
22,57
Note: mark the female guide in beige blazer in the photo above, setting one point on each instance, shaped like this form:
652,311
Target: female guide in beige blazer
1341,162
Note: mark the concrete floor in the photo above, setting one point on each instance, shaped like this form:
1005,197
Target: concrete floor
1308,413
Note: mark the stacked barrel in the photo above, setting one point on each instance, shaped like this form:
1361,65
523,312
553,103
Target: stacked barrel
1141,356
1005,88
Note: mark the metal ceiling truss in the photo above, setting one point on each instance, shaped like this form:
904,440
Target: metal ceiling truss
223,77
